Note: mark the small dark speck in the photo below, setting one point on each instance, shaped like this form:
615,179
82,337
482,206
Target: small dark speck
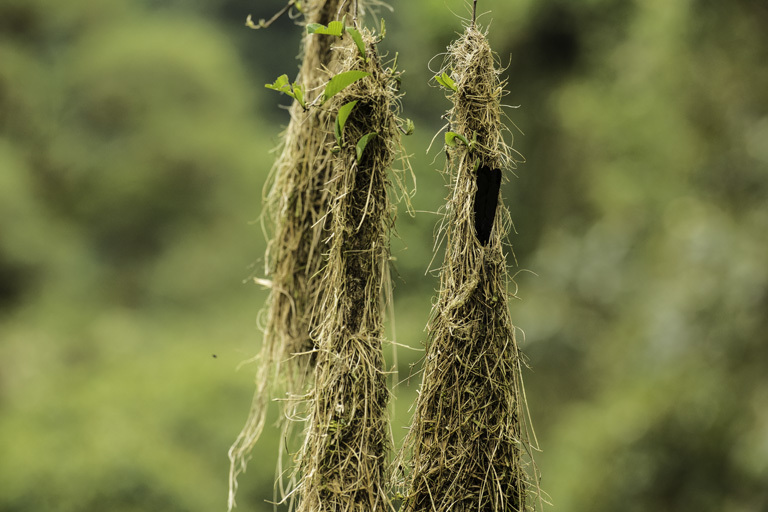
214,356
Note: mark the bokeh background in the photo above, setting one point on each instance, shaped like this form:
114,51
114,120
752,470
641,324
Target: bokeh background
135,138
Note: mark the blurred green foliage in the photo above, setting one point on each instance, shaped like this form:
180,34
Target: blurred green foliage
134,144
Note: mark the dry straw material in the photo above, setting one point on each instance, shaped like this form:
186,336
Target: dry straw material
297,214
343,462
468,444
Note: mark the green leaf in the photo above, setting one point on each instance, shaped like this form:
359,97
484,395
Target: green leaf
358,39
341,81
362,143
280,84
334,28
294,90
341,119
446,81
409,127
383,30
450,139
298,93
393,67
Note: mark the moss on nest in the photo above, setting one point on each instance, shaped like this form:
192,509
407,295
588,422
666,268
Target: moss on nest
468,445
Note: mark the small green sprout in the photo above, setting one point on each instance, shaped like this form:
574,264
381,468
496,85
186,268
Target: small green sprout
446,81
393,67
358,39
409,127
295,91
450,139
341,120
362,143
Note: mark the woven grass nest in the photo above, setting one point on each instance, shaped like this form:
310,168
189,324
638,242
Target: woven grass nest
298,223
345,456
468,446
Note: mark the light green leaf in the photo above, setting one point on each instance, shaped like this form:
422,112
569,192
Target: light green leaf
383,30
358,39
341,119
362,143
450,139
294,90
334,28
280,84
409,127
393,67
298,93
446,81
341,81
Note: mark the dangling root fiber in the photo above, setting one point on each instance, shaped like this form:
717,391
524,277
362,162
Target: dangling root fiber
468,443
343,461
297,204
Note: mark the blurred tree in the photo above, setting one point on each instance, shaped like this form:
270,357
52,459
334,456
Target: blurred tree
129,158
652,283
131,151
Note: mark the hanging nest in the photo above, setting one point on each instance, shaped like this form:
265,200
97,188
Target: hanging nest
344,459
298,205
297,211
468,444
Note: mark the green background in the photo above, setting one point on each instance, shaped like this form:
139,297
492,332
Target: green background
136,136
